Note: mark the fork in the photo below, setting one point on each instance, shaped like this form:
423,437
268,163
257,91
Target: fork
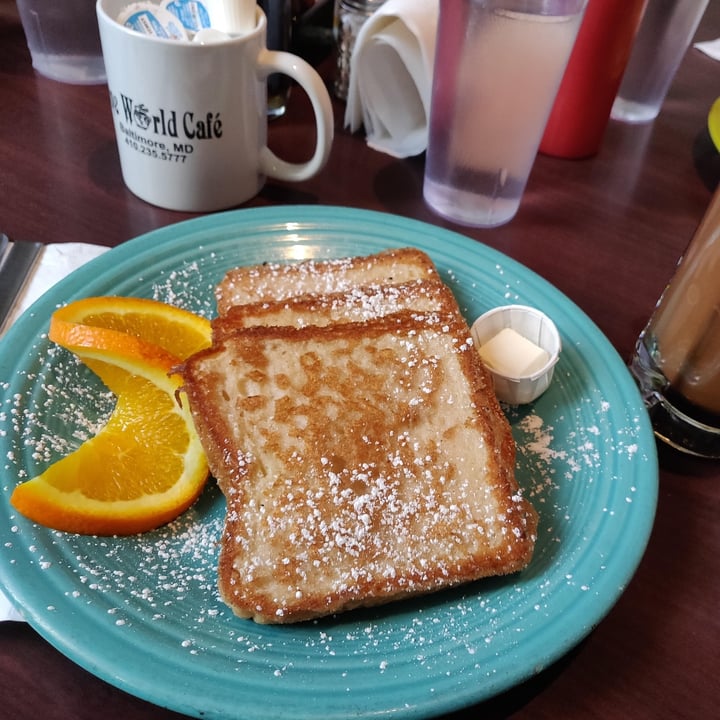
17,260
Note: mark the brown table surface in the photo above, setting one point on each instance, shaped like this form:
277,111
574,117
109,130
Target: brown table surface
607,231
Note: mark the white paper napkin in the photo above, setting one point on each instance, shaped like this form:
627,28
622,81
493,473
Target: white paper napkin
7,611
709,47
55,262
391,77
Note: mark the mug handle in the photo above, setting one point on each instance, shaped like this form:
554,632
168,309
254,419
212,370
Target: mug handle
272,61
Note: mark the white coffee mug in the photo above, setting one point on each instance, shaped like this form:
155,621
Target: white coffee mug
191,118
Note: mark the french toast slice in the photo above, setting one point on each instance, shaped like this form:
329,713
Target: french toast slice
362,462
355,305
279,281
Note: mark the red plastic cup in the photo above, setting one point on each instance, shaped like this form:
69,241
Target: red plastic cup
582,107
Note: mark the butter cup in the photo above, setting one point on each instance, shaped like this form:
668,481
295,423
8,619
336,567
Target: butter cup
535,326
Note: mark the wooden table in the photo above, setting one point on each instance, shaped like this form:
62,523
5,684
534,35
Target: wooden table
606,231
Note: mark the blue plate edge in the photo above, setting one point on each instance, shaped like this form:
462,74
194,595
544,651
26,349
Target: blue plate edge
230,218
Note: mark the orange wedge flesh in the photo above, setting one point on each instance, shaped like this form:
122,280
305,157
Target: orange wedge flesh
177,331
144,468
76,337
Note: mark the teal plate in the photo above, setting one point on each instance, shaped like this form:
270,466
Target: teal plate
143,612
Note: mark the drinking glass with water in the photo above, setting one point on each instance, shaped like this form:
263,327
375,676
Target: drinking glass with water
498,66
665,33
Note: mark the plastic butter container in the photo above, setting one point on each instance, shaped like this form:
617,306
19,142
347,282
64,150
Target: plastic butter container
520,347
153,20
193,14
186,19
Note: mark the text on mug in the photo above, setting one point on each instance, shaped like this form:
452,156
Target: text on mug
165,123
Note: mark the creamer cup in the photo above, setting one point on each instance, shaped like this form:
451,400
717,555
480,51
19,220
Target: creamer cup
150,19
536,327
193,14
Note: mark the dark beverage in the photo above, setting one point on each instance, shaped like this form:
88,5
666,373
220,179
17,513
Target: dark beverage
677,359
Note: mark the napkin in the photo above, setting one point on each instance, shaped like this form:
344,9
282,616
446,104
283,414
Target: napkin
55,262
391,77
709,47
7,611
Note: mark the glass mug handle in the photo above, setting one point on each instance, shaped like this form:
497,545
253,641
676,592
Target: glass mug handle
272,61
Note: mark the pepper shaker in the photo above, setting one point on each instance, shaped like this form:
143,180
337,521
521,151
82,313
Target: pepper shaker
350,16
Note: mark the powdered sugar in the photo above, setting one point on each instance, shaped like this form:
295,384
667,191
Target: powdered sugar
152,574
182,288
581,460
170,574
80,408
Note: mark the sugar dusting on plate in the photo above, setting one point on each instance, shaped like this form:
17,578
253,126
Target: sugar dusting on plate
167,579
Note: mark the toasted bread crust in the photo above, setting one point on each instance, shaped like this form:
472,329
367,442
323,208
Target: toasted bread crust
271,282
361,461
354,305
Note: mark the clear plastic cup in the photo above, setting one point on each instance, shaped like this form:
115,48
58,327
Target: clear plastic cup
498,66
64,40
666,31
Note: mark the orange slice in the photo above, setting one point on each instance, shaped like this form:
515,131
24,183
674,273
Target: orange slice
177,331
144,468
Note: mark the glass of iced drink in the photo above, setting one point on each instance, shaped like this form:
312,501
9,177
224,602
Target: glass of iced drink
665,33
63,39
677,356
498,66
